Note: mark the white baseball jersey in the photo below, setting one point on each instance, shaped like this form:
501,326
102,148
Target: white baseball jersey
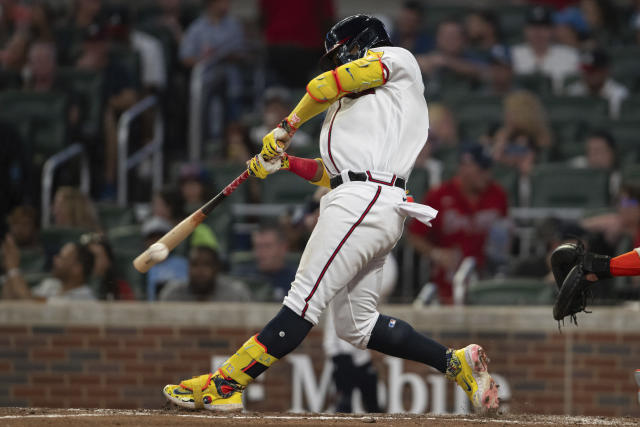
382,129
379,131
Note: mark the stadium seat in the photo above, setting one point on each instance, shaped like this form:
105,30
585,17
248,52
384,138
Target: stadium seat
508,178
127,58
32,260
575,108
631,108
10,79
47,117
53,238
625,66
285,188
631,174
418,183
125,269
86,88
112,215
536,83
511,291
476,114
223,174
556,185
511,21
126,237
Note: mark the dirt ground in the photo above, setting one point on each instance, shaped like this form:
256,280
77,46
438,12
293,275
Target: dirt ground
19,417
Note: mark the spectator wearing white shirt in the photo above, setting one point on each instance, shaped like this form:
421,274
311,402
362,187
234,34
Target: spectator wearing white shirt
539,55
595,81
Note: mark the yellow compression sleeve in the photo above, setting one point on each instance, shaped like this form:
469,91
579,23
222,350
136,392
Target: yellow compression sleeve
362,74
324,180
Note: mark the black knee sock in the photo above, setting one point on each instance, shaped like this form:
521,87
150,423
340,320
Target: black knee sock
397,338
284,333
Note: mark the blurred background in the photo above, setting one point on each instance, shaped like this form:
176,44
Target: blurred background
118,118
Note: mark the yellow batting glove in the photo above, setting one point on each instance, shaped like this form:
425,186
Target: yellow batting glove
261,168
276,142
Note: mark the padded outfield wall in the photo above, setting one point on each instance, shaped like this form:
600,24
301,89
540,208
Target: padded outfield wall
119,355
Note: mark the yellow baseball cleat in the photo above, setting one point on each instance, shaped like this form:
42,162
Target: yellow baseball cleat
468,367
209,391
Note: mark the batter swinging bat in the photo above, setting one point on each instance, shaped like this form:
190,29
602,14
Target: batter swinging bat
177,234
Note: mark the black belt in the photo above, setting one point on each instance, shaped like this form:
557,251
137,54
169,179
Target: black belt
364,176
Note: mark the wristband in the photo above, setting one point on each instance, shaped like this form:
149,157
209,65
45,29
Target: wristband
304,168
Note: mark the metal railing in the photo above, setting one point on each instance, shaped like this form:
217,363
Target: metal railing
152,149
48,170
466,272
196,91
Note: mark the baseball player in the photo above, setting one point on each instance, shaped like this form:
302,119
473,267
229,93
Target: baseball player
376,124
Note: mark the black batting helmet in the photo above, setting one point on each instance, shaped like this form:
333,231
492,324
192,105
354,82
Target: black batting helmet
360,31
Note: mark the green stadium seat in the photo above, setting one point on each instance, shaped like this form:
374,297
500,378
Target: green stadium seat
112,215
127,58
512,19
627,136
284,188
418,183
10,79
631,174
511,291
126,237
32,260
125,269
631,108
536,83
477,113
625,65
86,88
223,174
508,178
53,238
575,108
47,116
556,185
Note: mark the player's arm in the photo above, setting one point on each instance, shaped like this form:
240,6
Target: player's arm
322,91
312,170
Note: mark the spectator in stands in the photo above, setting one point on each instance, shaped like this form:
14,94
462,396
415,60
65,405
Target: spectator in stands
174,267
205,283
600,153
70,274
41,22
468,205
270,267
23,227
623,226
170,18
602,19
195,186
500,75
635,23
483,30
277,104
570,27
596,81
169,206
524,132
450,54
408,31
70,35
293,33
14,54
120,90
153,73
217,37
109,286
72,208
539,55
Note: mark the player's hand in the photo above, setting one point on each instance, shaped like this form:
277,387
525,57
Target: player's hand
261,168
276,142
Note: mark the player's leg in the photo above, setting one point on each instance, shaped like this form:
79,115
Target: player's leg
341,244
355,309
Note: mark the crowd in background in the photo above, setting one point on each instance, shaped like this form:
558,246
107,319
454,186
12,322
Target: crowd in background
510,88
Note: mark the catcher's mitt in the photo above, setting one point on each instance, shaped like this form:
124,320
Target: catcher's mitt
569,264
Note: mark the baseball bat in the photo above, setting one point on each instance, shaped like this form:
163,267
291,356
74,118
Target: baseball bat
177,234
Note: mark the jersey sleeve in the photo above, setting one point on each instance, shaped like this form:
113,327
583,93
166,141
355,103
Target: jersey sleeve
401,67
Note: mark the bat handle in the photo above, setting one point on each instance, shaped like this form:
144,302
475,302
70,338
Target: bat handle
233,185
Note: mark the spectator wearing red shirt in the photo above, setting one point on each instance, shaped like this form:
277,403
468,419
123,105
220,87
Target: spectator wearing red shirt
294,31
468,205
